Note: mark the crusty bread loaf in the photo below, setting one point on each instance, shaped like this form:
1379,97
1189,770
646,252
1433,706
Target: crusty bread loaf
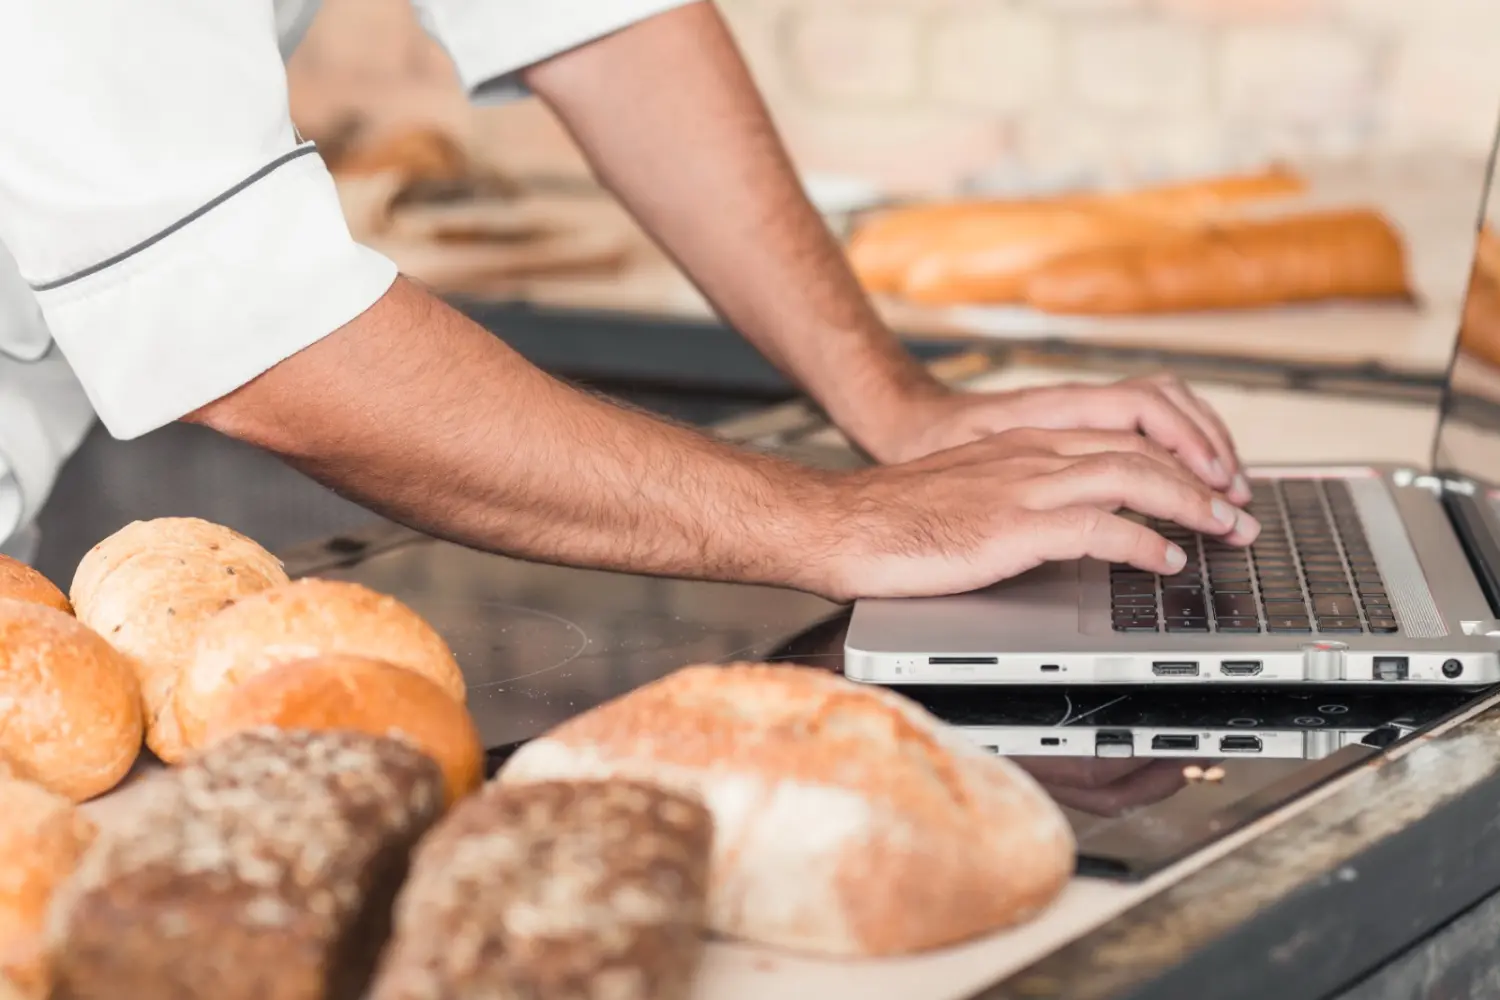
42,838
70,707
19,582
568,891
298,621
847,821
263,869
227,545
151,604
364,695
973,250
1352,254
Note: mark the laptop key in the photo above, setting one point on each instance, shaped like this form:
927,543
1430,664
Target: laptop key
1334,606
1135,626
1235,605
1289,625
1285,609
1339,625
1239,625
1134,601
1187,624
1132,587
1383,625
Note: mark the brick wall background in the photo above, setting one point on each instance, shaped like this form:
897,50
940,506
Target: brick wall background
925,93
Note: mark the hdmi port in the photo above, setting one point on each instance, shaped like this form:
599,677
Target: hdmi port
1239,668
1179,669
1240,744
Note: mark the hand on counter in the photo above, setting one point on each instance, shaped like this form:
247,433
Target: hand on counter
1161,407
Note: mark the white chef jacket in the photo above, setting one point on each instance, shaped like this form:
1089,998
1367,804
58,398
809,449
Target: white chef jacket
177,236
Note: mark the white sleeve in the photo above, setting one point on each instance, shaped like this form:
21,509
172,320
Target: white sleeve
490,40
180,237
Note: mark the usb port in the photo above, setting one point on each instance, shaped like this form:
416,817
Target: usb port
1174,741
1051,741
963,661
1239,668
1180,668
1050,668
1240,744
1114,743
1391,668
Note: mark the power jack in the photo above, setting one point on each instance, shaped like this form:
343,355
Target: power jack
1453,668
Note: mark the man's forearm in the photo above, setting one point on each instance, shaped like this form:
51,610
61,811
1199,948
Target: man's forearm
671,120
422,415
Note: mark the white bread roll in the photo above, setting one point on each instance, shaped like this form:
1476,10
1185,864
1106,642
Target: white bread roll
148,588
42,838
362,695
225,544
20,582
70,706
847,820
299,621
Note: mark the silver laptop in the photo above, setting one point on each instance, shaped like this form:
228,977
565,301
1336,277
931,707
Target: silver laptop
1363,574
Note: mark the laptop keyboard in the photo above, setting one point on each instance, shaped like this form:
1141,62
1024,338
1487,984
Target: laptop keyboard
1310,571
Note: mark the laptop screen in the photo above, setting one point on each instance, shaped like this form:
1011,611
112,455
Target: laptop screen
1468,438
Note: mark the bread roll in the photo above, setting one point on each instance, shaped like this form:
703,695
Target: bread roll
42,838
70,707
299,621
19,582
847,821
367,696
149,587
1329,255
264,868
568,891
228,546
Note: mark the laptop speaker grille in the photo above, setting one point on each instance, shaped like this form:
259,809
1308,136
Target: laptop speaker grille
1404,580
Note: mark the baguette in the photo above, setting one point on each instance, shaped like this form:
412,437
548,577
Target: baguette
943,236
1331,255
847,820
555,890
263,869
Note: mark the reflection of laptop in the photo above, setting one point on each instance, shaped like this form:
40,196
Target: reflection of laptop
1109,722
1367,574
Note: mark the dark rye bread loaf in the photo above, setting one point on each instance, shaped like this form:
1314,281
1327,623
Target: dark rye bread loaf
264,868
590,890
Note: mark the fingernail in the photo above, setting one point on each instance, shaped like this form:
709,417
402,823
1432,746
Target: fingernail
1216,470
1247,526
1225,514
1241,484
1176,558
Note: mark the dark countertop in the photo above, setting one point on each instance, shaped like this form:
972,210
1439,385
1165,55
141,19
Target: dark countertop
1344,896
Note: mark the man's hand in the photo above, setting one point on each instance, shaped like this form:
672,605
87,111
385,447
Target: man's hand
1161,407
971,516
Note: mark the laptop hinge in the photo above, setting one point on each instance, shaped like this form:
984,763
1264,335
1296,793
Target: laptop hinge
1477,532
